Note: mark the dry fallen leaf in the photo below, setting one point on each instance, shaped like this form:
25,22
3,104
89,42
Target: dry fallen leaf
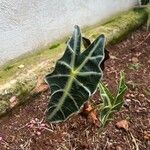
40,86
113,57
13,101
89,113
123,124
147,135
134,60
118,148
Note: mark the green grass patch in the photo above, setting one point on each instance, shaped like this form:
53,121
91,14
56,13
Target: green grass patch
54,46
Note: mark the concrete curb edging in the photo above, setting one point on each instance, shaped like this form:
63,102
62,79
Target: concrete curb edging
18,87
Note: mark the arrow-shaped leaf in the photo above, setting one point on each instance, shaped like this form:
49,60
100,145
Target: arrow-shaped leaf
75,77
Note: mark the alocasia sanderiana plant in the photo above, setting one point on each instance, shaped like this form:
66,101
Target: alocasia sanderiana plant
75,77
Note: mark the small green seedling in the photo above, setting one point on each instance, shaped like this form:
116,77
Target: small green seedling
111,103
132,85
134,66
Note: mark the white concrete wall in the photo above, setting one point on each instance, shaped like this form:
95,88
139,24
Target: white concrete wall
29,24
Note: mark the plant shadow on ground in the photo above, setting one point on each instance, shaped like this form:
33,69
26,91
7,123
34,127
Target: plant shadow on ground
18,132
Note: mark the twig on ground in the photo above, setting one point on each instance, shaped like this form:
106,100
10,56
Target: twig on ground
134,141
26,146
23,126
127,139
105,147
36,124
141,42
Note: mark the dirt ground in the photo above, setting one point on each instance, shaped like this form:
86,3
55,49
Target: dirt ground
25,127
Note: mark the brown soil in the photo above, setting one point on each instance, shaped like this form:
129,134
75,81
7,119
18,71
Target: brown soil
17,131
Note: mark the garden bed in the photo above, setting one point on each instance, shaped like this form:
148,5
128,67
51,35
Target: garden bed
132,55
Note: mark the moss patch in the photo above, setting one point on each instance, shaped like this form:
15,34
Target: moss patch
4,106
120,26
54,46
11,69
